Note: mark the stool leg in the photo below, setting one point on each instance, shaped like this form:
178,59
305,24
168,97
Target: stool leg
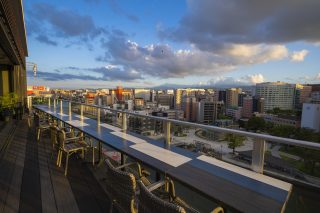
67,162
38,133
93,155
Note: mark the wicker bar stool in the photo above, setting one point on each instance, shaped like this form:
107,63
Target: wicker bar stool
68,146
121,188
42,124
149,202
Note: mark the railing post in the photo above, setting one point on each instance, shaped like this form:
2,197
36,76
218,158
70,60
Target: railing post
124,121
61,110
81,111
166,131
70,112
98,115
258,155
29,103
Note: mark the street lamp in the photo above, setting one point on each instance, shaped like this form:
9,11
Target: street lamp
34,68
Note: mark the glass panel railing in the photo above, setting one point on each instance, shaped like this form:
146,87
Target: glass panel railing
294,163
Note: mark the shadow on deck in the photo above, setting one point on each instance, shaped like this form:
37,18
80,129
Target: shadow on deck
30,181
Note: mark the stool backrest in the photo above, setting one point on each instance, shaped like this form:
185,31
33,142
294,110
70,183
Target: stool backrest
121,186
148,202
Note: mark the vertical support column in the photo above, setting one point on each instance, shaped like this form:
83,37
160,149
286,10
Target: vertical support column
54,103
98,115
61,109
29,103
81,112
124,121
166,131
49,102
258,155
70,112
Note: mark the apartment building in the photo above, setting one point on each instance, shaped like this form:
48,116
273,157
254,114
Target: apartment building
276,94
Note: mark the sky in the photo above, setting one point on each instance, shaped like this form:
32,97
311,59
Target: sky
147,43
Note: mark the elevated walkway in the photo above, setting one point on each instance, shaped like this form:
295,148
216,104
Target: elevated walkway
31,182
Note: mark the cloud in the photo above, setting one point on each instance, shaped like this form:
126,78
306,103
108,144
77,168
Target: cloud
58,76
162,61
254,79
298,56
45,39
118,10
108,73
48,23
254,53
211,24
117,73
317,77
242,81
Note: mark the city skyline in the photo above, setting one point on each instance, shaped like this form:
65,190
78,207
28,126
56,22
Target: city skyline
152,43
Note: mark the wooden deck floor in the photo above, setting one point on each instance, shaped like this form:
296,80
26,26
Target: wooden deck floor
31,182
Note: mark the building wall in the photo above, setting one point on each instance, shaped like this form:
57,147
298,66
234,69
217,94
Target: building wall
235,112
232,97
247,109
284,121
143,93
13,50
276,94
302,95
165,100
311,116
190,107
207,112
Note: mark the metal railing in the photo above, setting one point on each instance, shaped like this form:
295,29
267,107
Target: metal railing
258,153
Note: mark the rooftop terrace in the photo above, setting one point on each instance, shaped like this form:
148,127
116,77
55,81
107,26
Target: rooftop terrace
32,182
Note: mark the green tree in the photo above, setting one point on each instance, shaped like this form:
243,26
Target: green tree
234,141
256,123
310,158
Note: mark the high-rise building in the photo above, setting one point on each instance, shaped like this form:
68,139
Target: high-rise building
234,112
311,116
153,95
258,104
127,94
165,100
118,93
302,95
240,98
189,106
222,96
107,100
315,97
276,94
129,105
138,102
142,93
232,97
247,108
208,111
178,98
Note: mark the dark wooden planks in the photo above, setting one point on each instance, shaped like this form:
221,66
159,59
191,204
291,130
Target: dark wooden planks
12,165
47,190
30,196
87,191
63,194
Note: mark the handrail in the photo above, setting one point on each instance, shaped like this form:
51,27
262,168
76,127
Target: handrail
258,151
277,139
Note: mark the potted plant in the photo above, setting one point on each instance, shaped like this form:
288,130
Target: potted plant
7,104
